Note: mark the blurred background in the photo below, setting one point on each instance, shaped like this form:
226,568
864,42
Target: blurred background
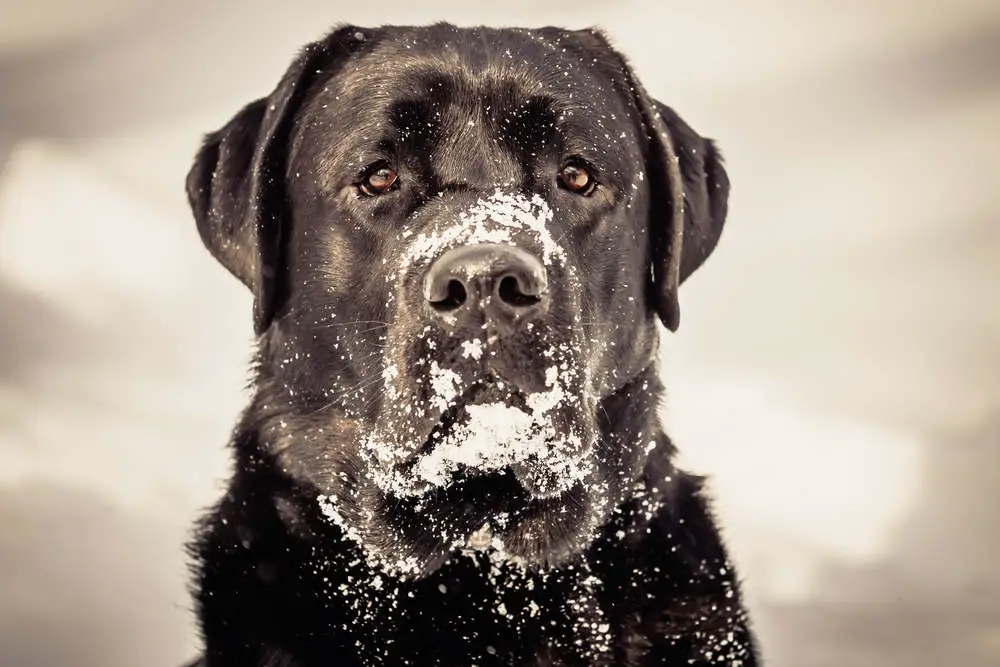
837,371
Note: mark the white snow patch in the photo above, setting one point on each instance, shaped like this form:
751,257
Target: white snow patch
497,436
491,437
495,219
446,385
472,349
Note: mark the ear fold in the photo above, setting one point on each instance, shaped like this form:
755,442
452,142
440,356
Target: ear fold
236,187
706,190
689,190
690,200
218,189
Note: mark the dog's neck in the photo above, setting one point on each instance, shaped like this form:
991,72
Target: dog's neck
324,596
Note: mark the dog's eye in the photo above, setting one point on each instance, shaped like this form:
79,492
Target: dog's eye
575,178
378,180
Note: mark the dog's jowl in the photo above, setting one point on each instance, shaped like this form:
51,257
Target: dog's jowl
459,242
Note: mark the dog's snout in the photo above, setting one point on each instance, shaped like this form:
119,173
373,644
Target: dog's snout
483,282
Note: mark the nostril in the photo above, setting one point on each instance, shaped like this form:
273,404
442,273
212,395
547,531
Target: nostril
469,286
455,295
511,293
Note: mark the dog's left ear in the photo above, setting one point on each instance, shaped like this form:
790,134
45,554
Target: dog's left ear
689,188
690,199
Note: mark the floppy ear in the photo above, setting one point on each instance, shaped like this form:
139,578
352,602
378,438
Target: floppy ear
689,192
704,190
689,188
236,187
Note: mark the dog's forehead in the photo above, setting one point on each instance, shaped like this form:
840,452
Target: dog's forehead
496,70
535,61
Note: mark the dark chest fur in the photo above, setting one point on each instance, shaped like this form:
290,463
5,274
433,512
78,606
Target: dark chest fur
656,588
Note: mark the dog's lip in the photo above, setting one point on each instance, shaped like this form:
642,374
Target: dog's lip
495,524
494,389
494,502
540,440
480,495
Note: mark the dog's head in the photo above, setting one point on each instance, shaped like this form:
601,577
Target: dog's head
458,242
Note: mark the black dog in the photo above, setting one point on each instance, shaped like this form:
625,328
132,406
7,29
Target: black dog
458,242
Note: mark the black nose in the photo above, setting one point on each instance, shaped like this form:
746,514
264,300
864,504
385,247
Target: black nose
474,284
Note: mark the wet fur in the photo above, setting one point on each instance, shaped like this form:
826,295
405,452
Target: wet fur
277,584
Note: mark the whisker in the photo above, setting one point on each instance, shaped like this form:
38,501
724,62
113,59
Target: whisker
360,385
328,325
606,415
370,329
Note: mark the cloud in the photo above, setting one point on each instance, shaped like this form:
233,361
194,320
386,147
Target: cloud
795,488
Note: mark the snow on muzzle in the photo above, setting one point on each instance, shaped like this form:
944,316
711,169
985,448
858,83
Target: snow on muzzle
537,437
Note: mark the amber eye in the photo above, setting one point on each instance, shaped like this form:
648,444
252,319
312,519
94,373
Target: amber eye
378,180
575,178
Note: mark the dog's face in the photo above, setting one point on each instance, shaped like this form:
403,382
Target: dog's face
458,241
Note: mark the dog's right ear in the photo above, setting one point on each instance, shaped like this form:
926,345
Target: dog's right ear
236,187
218,189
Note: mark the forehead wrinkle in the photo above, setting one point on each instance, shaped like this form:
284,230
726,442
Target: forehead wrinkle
360,97
476,155
363,98
477,57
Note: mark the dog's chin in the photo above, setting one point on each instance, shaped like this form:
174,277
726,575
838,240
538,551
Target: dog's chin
492,514
498,471
544,532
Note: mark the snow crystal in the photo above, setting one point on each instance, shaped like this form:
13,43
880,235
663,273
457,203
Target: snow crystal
481,539
445,384
472,349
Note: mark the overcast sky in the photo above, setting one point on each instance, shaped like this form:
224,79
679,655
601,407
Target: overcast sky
836,369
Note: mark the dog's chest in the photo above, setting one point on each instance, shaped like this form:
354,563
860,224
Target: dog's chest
475,611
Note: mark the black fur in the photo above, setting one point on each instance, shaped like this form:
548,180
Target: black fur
625,566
